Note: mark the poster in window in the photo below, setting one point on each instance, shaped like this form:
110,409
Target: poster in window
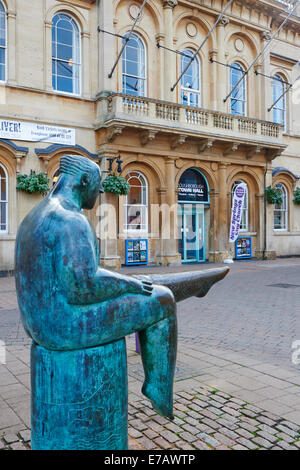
136,252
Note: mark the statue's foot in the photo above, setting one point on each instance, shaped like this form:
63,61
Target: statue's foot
162,405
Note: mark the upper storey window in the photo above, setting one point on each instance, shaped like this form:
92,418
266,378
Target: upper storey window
239,95
134,67
66,63
279,110
190,82
2,43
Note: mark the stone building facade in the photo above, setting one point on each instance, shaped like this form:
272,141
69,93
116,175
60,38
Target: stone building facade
58,95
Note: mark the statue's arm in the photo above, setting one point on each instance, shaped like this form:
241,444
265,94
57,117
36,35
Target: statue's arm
83,281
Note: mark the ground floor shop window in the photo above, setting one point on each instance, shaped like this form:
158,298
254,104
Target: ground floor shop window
136,206
281,210
3,199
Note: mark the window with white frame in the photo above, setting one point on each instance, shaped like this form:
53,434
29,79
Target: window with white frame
281,210
3,43
245,210
238,102
279,110
190,81
3,199
66,54
136,205
134,76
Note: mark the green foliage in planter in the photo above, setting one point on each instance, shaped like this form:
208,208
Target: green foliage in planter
33,183
297,196
116,185
274,195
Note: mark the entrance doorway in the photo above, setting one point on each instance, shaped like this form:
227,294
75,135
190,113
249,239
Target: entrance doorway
192,233
193,199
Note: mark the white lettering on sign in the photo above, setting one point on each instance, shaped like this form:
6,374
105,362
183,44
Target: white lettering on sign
27,131
236,212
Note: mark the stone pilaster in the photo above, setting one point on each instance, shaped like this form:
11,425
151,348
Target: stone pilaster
221,69
169,58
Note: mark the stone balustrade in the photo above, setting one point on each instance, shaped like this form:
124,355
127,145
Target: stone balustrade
134,109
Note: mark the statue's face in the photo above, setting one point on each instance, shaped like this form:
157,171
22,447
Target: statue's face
91,187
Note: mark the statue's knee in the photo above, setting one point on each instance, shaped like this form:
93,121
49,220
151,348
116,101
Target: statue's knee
166,298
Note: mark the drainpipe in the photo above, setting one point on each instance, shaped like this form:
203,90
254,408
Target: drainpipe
265,211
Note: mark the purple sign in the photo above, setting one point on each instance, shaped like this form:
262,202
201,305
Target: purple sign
236,212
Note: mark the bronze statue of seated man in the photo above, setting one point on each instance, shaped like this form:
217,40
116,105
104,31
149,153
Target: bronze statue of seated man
68,303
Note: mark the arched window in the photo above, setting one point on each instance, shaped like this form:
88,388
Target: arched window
281,210
190,82
245,210
134,67
66,54
136,205
279,110
2,43
3,199
239,95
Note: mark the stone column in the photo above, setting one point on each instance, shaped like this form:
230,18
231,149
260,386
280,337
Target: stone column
11,45
48,57
213,54
169,57
108,228
169,229
107,53
223,213
86,85
222,71
266,83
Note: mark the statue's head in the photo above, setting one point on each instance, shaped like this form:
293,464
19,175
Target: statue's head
85,178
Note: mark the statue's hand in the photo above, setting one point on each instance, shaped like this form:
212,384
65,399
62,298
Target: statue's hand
143,287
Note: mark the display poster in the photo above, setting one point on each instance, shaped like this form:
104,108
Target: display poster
243,248
136,252
193,187
34,132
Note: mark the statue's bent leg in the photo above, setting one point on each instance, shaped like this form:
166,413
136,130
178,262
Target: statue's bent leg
158,350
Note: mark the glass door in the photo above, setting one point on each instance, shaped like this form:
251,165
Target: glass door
192,233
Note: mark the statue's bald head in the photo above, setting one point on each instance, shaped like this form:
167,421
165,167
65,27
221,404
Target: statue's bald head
86,177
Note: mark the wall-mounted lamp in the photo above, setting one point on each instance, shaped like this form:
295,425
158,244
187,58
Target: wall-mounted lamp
118,161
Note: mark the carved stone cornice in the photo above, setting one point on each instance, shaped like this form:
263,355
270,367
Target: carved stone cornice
114,132
206,145
170,3
147,137
177,141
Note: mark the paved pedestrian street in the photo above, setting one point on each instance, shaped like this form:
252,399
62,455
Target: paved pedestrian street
237,383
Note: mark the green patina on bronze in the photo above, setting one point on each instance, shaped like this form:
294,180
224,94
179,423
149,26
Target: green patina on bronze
78,315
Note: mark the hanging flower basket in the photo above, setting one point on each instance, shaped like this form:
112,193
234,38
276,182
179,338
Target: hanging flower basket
297,196
116,185
274,195
33,183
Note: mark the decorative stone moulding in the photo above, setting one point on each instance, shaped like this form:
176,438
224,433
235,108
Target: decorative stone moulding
239,44
133,11
191,30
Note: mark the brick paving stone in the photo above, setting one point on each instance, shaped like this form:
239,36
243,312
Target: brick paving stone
244,433
146,443
211,423
214,410
227,424
18,446
170,436
201,445
25,435
286,446
179,414
219,399
155,426
162,443
138,424
189,428
160,420
142,417
276,448
239,447
272,416
285,437
192,421
208,439
297,444
224,439
247,426
148,411
187,436
228,433
248,413
205,428
266,420
266,428
193,414
186,395
215,403
10,438
173,427
292,426
269,437
222,447
262,442
253,408
231,411
233,405
237,401
195,407
182,445
289,431
180,407
134,433
150,434
246,443
222,394
209,414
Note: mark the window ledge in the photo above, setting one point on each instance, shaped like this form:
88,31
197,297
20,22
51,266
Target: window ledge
285,233
6,237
